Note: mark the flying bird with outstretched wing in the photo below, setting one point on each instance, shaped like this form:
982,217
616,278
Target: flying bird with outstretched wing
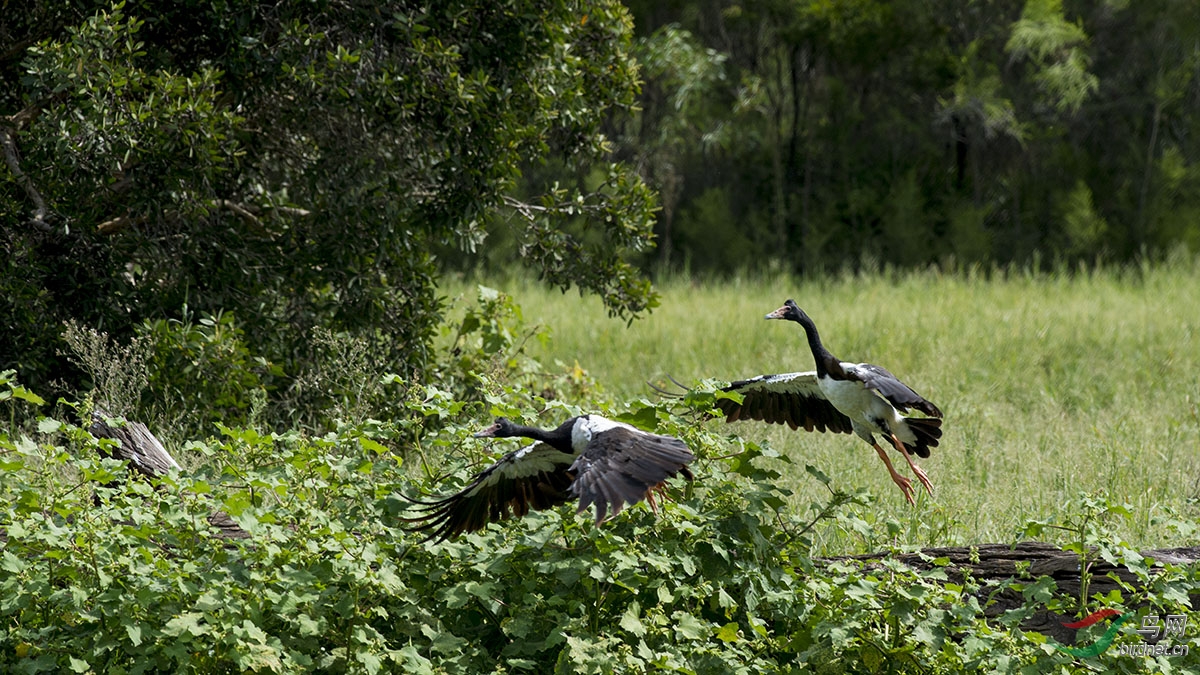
589,458
841,397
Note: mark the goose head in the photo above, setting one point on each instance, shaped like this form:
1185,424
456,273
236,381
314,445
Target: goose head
790,312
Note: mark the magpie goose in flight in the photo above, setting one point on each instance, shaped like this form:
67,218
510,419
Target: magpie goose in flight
841,397
589,458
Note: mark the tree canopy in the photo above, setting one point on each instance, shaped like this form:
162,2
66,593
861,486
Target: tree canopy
222,179
298,164
835,134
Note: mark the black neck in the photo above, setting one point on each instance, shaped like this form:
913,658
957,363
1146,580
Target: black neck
559,438
827,364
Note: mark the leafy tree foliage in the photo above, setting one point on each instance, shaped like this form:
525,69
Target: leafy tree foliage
925,132
294,165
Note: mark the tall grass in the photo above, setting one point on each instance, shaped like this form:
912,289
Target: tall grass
1052,384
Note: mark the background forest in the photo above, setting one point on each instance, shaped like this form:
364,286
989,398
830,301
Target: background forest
274,168
315,245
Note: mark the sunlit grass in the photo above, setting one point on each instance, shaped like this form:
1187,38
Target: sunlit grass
1053,385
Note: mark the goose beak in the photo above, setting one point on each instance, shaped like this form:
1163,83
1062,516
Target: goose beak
778,314
489,432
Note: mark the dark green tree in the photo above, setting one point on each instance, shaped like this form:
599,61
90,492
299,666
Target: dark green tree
937,132
296,163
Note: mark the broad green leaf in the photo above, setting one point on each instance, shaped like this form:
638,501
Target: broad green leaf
26,395
817,473
689,627
185,626
11,563
630,620
373,445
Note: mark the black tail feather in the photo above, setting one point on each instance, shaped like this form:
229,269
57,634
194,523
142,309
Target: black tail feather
927,430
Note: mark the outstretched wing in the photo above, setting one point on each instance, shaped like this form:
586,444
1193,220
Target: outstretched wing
900,395
793,399
620,465
535,477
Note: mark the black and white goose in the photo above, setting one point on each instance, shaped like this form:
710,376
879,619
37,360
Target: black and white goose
590,458
841,397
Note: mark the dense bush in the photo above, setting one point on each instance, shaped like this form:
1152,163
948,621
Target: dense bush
102,572
296,165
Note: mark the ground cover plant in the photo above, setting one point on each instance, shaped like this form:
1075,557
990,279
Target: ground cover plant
103,573
100,572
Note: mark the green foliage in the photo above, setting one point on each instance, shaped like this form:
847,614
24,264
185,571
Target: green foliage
907,236
710,242
821,113
295,167
119,373
1043,35
207,360
1085,229
104,572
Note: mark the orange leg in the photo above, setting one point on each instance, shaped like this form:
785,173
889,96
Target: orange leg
920,473
650,501
904,483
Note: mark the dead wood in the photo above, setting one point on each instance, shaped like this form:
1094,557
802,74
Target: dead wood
147,456
994,565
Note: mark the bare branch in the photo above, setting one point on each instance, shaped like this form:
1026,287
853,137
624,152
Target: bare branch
117,224
525,209
291,211
20,119
14,165
17,51
529,211
249,214
241,212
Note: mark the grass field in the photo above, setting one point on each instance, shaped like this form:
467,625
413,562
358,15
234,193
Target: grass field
1053,385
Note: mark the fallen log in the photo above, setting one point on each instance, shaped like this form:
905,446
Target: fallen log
994,565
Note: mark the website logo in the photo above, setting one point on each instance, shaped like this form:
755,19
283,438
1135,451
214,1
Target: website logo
1174,625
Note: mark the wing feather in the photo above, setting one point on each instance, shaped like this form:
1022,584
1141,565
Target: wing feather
620,465
793,399
900,395
537,477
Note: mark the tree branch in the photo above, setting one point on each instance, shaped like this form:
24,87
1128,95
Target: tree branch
241,212
529,211
115,225
249,213
17,50
14,165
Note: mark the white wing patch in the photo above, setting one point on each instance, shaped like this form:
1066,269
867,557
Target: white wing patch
804,384
588,426
528,461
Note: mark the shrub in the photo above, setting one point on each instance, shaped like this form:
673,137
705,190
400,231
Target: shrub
100,572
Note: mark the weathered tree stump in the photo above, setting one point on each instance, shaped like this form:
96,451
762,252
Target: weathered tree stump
146,455
995,564
138,446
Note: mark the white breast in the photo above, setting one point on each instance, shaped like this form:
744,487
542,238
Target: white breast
588,426
863,406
